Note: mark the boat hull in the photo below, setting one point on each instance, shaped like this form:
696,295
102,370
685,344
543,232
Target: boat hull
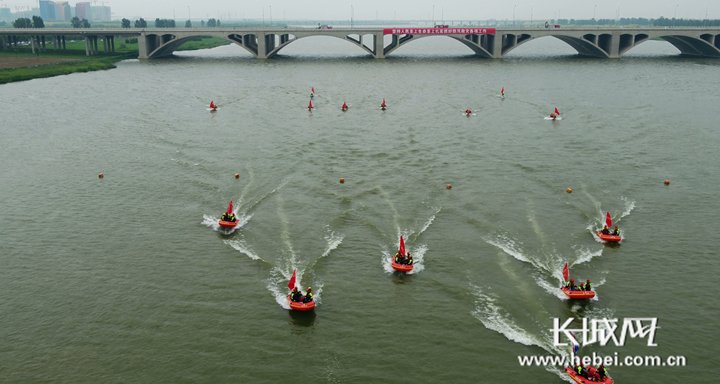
581,380
402,267
578,294
609,238
301,306
227,224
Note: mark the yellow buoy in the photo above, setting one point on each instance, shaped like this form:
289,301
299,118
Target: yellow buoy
100,176
342,180
448,186
667,182
237,175
569,190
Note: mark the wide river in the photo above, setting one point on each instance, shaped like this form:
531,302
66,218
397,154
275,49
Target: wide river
129,279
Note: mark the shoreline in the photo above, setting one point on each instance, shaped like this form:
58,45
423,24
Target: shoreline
73,60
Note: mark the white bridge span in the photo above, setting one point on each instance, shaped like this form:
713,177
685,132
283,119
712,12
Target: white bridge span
264,43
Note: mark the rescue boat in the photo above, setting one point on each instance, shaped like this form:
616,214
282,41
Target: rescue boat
227,224
301,306
582,380
578,294
609,238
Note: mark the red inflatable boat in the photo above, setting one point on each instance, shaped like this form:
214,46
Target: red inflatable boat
401,267
579,379
609,238
578,294
301,306
227,224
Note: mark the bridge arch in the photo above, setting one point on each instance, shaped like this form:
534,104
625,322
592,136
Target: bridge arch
588,45
357,42
477,43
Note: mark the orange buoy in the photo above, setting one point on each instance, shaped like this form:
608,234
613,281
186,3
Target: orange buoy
237,175
667,182
342,180
100,176
569,190
448,186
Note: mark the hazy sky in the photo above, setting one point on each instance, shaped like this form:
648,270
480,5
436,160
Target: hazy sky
404,9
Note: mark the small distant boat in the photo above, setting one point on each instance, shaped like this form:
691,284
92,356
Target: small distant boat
298,306
398,266
502,93
344,107
383,106
610,238
312,93
582,380
310,106
574,294
225,223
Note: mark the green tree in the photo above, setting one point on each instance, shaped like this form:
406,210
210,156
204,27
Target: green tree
211,23
22,22
125,23
140,23
170,23
217,23
202,23
38,22
188,24
75,22
85,23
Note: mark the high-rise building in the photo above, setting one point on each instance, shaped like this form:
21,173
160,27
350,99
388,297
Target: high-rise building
64,14
99,13
82,10
47,10
5,15
58,12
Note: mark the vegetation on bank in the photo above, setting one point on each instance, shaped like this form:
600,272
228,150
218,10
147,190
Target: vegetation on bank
124,49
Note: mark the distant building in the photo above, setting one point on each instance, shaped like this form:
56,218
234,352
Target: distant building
101,13
5,15
58,12
47,10
82,10
64,14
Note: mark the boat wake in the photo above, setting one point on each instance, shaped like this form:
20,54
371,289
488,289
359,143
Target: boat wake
212,222
417,251
241,210
495,318
548,274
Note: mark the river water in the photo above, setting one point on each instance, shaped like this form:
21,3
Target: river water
128,279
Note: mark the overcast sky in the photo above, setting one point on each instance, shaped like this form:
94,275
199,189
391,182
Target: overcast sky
405,9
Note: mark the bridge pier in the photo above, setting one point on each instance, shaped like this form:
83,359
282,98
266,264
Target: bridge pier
87,49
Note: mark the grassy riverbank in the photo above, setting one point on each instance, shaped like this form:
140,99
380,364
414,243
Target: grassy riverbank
26,65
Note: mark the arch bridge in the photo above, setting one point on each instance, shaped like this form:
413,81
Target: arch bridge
596,42
264,43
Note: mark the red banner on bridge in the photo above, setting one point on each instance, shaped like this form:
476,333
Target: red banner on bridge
439,31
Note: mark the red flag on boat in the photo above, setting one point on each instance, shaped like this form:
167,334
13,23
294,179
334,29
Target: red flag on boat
503,91
557,112
344,105
212,104
291,284
383,104
608,220
402,246
310,106
566,272
229,211
313,90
